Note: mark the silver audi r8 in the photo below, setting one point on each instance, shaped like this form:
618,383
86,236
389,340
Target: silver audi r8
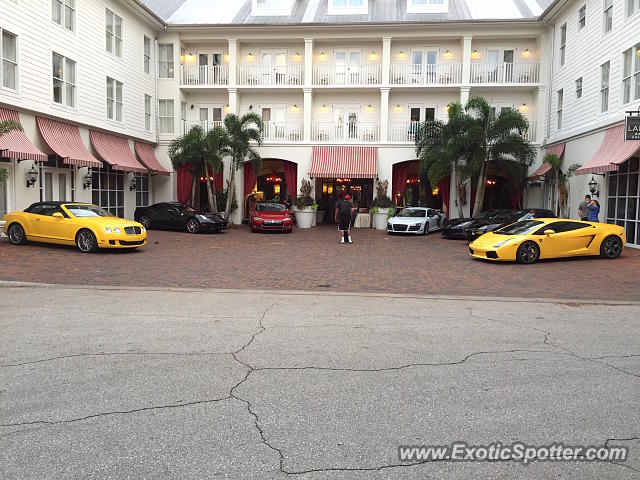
416,220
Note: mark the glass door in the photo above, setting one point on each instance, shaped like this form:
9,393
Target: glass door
354,67
507,65
266,64
56,186
417,67
431,66
341,68
281,67
493,60
203,67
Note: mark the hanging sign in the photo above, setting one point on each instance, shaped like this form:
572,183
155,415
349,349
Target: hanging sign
632,127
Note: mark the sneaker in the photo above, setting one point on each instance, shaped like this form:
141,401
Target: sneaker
342,240
350,240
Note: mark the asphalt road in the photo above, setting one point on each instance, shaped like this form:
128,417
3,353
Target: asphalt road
125,383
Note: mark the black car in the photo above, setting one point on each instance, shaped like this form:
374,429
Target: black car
178,216
455,228
480,227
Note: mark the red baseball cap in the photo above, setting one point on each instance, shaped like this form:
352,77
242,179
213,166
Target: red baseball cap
347,197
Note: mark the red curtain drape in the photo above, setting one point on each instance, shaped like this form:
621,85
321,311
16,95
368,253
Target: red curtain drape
291,178
218,180
400,173
515,194
444,187
184,181
249,179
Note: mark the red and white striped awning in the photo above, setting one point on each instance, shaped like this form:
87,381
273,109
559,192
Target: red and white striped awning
344,162
556,150
613,151
64,139
148,158
16,144
116,152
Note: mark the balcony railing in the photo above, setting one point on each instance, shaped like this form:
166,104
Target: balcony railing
347,74
514,73
531,134
283,131
405,132
441,74
271,75
206,75
205,125
348,132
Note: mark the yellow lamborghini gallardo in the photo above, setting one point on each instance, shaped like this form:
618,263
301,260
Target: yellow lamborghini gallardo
71,223
530,240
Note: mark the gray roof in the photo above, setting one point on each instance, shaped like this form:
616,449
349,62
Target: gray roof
238,12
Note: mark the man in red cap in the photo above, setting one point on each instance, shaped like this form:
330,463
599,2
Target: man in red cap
343,218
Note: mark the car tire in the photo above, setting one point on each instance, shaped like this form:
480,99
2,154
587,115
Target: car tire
16,234
193,225
528,253
426,229
145,221
86,241
611,247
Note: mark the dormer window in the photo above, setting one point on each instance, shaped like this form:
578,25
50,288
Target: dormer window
427,6
348,7
271,8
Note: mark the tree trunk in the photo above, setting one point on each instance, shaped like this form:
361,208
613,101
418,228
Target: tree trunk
230,190
456,182
193,190
480,188
209,195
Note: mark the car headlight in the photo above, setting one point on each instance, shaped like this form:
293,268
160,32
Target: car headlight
419,224
142,229
107,229
202,217
286,219
112,230
499,244
258,218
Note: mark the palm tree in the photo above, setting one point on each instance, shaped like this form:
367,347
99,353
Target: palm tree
241,131
201,151
7,126
559,182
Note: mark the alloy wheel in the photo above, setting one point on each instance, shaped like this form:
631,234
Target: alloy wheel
612,247
528,253
16,234
193,226
144,220
86,241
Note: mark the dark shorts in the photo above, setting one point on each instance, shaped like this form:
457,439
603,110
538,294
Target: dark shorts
344,222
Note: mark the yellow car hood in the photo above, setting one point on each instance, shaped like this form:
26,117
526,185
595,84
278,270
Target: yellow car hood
489,240
107,222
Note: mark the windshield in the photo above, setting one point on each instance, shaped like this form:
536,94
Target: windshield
505,217
487,214
519,228
185,208
88,211
270,207
412,212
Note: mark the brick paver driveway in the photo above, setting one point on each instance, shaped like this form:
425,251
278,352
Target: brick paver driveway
313,260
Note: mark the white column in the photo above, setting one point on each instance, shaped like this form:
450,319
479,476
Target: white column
233,61
541,107
464,95
308,100
386,59
308,62
466,59
233,100
384,113
544,57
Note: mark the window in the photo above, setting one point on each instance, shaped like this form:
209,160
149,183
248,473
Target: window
604,87
563,44
608,16
349,7
107,190
636,72
427,6
64,80
165,60
114,99
113,33
627,66
165,116
633,7
183,111
582,17
147,54
63,12
142,189
559,110
271,7
562,227
622,199
579,88
9,60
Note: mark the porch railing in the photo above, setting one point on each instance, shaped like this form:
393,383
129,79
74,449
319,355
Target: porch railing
514,73
270,75
205,125
347,74
440,74
283,132
205,75
345,132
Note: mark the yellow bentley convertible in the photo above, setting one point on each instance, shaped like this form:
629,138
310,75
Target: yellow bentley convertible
70,223
530,240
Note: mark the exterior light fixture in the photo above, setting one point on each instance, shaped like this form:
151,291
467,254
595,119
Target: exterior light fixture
133,184
447,53
435,191
250,108
523,107
593,187
87,180
250,56
296,57
475,54
295,108
226,108
323,56
323,108
369,108
398,108
32,176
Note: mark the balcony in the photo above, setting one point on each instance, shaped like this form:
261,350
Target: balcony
405,132
205,125
349,132
441,74
285,132
194,75
347,74
271,75
506,73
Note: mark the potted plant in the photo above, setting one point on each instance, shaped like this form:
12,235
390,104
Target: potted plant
381,206
305,206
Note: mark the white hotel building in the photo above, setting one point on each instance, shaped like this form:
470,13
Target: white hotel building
102,86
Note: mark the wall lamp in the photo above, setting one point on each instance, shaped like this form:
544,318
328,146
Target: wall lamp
133,184
87,181
593,187
32,176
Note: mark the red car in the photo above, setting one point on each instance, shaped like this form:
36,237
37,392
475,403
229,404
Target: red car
271,216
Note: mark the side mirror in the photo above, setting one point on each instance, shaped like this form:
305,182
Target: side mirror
57,215
548,233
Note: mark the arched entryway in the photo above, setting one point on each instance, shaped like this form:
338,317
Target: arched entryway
409,187
277,181
501,190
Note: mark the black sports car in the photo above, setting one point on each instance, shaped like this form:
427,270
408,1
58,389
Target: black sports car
178,216
480,227
455,228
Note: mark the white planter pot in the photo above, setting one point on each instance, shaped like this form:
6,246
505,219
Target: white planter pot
305,217
319,217
380,219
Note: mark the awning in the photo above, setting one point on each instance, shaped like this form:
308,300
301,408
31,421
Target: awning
16,144
116,152
344,162
612,152
556,150
148,158
64,139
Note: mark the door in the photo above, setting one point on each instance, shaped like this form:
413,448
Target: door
203,68
570,238
348,67
47,227
417,68
424,66
507,66
346,120
56,186
493,64
159,215
210,115
341,68
280,67
266,63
